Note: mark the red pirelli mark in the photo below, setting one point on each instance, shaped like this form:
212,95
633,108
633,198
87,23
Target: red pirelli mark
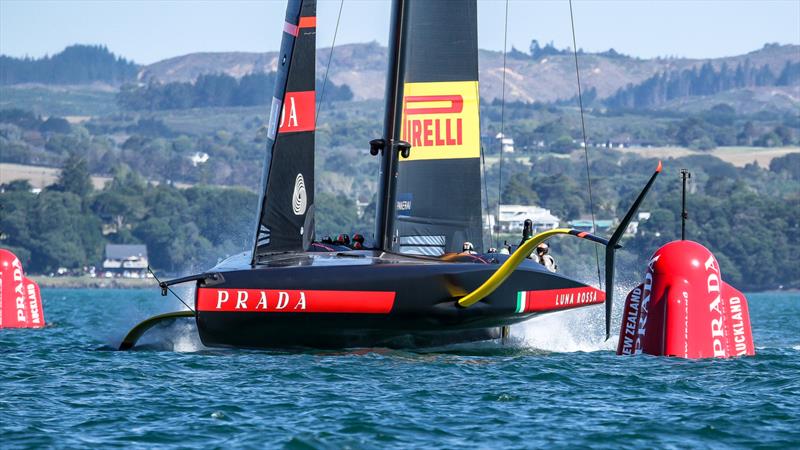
294,301
429,104
297,112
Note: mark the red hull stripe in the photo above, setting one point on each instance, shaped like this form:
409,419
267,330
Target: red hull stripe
298,112
294,301
556,299
308,22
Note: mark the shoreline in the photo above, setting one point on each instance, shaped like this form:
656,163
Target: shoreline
85,282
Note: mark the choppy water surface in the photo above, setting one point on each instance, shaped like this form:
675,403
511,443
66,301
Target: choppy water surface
555,385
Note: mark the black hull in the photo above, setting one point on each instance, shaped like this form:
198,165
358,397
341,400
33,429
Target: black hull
324,333
380,300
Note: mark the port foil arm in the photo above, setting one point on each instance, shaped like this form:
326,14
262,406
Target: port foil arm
523,251
613,245
136,332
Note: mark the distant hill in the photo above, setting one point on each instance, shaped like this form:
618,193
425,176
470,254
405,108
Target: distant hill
545,78
77,64
360,66
706,81
545,75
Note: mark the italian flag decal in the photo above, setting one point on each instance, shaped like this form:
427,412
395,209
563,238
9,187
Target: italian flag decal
521,301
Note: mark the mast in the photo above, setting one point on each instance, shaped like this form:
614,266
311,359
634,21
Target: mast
429,199
390,145
685,175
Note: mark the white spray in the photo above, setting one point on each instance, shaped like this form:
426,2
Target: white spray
575,330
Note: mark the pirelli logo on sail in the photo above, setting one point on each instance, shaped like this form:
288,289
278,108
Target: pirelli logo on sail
440,120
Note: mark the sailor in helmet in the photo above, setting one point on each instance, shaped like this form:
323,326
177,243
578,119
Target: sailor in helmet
468,249
527,233
358,242
543,257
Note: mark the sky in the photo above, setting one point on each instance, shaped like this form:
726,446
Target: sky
147,31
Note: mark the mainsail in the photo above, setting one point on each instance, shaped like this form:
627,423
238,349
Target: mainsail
438,187
286,215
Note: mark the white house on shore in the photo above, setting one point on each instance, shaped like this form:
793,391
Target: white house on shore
126,261
512,218
506,142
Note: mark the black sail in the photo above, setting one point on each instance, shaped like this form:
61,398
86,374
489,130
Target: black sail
438,188
286,215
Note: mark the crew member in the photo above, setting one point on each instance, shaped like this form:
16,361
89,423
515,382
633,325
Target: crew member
468,249
358,242
527,233
543,257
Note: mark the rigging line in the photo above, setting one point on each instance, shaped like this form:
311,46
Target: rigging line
502,119
483,170
585,142
169,289
486,193
328,66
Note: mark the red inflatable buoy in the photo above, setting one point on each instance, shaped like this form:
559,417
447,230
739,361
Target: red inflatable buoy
20,299
684,309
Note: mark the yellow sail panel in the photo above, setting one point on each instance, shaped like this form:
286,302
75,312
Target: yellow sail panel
440,120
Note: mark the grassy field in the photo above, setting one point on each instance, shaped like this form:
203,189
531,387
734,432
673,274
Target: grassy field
40,177
492,160
738,156
60,100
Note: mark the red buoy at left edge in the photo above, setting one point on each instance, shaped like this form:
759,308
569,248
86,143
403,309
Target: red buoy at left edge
20,298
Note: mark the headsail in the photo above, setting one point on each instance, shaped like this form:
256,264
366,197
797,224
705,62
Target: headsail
286,214
438,188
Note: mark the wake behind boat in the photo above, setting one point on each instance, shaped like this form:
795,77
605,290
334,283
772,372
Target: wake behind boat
414,288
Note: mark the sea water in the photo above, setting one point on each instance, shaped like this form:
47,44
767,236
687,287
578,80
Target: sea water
554,384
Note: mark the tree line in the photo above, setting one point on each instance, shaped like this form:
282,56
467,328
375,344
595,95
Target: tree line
559,131
749,217
76,64
537,51
69,223
663,87
214,90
